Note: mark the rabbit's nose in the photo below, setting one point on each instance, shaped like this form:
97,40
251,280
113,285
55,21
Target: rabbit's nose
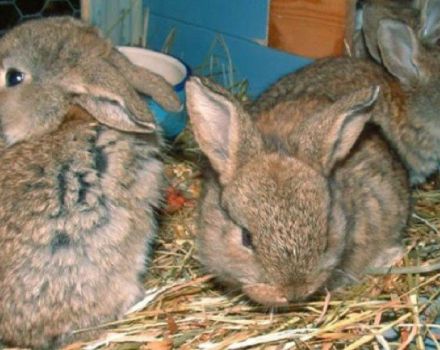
265,294
298,291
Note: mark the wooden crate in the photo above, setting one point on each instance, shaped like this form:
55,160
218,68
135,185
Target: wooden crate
311,28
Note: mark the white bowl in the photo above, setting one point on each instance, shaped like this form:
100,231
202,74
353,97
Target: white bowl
175,72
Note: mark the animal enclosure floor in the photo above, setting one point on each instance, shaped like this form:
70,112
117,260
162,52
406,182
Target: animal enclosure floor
185,309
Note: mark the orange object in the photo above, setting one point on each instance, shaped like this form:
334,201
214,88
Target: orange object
311,28
174,200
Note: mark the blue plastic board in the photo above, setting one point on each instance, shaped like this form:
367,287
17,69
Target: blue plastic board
240,18
258,64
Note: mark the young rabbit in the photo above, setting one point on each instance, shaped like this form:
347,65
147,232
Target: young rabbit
408,107
80,179
303,197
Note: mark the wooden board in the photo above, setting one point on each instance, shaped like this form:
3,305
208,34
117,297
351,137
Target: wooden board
85,10
311,28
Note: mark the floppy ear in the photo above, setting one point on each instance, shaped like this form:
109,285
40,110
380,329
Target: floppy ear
400,50
328,136
222,129
430,22
146,82
107,96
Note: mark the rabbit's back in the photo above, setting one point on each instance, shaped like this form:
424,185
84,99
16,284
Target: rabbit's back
372,185
329,78
77,212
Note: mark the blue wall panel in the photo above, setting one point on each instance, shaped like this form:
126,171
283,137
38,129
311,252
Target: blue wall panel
237,27
256,63
120,20
242,18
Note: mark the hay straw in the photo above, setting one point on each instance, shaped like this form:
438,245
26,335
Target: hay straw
218,66
169,41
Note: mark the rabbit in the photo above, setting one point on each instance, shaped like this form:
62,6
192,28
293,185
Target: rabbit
80,177
300,198
408,107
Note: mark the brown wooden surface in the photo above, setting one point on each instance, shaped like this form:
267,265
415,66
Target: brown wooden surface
311,28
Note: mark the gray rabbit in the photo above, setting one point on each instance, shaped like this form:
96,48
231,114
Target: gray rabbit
303,196
80,178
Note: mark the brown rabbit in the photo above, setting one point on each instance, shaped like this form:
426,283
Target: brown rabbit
303,197
80,178
408,107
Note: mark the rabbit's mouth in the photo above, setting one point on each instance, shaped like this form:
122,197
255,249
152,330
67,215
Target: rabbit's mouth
265,294
271,295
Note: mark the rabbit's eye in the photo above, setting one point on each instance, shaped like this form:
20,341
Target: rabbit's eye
14,77
246,238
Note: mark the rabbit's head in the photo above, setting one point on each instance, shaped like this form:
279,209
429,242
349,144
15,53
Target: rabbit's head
49,65
417,68
421,16
270,225
405,56
376,10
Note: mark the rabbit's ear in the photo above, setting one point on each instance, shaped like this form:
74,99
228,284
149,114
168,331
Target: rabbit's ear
370,18
222,129
400,50
98,88
146,82
329,136
430,21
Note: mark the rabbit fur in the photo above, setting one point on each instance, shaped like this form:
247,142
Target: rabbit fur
408,108
302,196
80,178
